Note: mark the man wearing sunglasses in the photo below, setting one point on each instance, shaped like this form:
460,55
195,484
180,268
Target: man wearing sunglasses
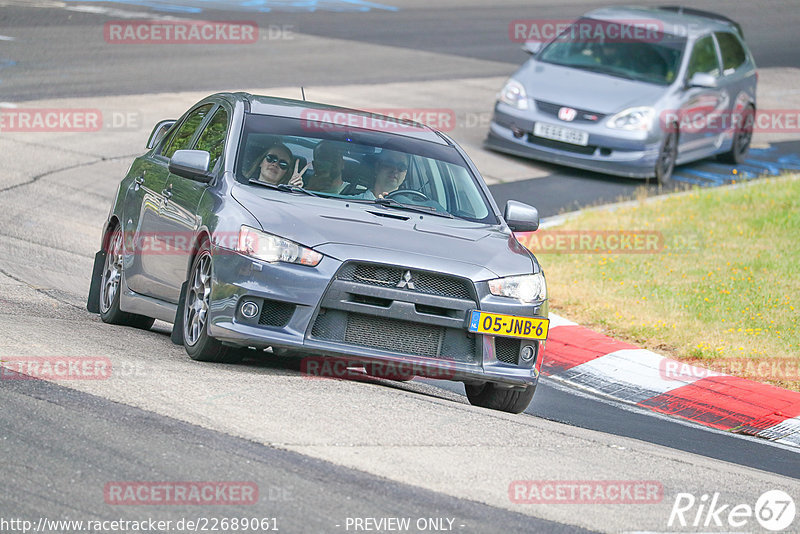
390,171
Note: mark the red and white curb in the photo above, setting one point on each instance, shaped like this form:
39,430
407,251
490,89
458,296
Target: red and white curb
598,363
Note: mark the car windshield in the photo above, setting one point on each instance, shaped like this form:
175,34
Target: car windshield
634,52
392,171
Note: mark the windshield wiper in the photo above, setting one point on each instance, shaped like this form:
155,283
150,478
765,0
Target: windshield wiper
392,203
285,187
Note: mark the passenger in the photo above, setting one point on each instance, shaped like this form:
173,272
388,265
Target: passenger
390,171
328,165
275,167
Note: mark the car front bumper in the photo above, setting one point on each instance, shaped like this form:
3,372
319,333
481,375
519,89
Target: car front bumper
617,152
321,312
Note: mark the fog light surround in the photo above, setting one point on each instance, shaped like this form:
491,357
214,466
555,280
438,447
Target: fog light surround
249,309
527,353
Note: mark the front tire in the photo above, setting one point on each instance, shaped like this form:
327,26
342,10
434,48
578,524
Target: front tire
111,287
489,395
199,345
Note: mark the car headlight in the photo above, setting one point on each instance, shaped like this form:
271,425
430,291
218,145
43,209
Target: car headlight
640,118
513,94
271,248
526,288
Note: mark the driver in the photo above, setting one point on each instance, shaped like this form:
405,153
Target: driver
390,171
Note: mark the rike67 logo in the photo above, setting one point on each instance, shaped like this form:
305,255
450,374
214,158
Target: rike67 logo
774,511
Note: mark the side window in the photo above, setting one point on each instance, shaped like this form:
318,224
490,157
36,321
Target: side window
704,58
733,54
212,140
183,135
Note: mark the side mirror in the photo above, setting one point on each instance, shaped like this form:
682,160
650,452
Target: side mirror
191,164
521,217
532,47
702,79
158,132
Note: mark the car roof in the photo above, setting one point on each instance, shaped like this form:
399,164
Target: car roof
691,23
303,109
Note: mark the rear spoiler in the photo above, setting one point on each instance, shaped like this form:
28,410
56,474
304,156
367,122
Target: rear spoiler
705,14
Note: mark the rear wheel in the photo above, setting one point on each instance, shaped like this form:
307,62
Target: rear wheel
199,345
667,156
741,139
489,395
110,288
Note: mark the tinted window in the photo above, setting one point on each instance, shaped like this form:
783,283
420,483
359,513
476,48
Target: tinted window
733,54
212,140
704,58
361,165
594,45
182,137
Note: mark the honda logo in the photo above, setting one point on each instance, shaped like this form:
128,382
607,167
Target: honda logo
567,114
406,282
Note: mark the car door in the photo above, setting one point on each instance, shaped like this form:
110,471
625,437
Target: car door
702,108
178,217
146,272
738,77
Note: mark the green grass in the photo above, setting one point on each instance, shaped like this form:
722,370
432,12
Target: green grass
726,284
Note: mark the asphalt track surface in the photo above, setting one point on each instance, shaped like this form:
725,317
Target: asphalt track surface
61,445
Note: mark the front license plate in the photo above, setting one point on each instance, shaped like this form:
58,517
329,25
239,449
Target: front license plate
559,133
497,324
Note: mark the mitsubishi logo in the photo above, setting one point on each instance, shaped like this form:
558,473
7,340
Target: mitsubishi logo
567,114
406,282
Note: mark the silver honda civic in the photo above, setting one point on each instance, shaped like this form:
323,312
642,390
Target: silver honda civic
631,92
343,237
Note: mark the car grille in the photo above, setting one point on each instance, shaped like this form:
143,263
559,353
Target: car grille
582,115
507,349
559,145
391,276
275,313
374,305
395,335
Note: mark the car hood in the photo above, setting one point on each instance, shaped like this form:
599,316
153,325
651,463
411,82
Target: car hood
367,232
586,90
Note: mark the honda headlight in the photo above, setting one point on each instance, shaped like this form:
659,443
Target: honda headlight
640,118
525,288
271,248
513,94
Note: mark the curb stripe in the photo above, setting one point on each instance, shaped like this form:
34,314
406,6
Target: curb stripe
593,361
627,374
729,403
569,346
